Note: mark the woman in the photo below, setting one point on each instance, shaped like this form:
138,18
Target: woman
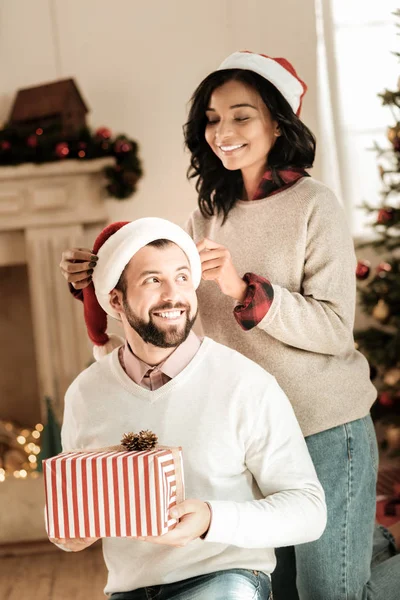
278,269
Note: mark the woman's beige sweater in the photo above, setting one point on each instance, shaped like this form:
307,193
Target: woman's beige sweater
298,239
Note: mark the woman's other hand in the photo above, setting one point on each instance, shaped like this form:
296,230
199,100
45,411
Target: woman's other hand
77,266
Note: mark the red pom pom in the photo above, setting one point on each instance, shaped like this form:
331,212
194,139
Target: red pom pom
62,150
104,133
363,269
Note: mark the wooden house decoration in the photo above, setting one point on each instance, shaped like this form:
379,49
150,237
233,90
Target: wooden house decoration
57,105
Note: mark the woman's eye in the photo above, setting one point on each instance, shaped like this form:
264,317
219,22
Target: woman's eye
241,119
214,122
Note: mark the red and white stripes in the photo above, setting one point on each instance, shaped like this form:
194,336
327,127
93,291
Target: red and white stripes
112,494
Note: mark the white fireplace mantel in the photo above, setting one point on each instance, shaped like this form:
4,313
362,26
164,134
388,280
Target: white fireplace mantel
45,209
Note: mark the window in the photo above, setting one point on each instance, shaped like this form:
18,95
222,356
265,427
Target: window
357,39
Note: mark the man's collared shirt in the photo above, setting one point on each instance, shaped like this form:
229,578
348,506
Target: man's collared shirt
153,378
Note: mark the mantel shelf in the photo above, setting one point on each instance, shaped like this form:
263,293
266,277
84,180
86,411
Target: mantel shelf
56,168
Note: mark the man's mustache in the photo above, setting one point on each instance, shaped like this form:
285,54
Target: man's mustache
170,306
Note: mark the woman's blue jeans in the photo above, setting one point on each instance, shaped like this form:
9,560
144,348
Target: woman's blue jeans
232,584
353,560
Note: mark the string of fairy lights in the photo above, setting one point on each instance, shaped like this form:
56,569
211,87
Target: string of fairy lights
19,450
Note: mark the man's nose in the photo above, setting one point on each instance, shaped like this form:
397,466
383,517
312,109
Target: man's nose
169,290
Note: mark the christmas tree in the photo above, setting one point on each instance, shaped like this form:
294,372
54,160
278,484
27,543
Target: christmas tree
379,289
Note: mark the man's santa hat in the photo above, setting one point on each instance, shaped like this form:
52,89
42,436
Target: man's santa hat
115,246
277,71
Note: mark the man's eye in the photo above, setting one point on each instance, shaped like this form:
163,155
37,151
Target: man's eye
182,277
151,280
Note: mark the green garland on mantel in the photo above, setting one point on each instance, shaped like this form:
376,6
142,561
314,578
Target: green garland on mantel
46,145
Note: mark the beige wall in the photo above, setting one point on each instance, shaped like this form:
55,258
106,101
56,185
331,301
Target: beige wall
137,64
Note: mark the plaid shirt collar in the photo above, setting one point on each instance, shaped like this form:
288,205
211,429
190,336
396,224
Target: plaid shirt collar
288,177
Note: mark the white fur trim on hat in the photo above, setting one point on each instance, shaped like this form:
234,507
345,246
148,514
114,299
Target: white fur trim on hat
289,86
119,248
114,341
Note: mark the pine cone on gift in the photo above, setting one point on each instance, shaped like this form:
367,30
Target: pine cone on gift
129,441
147,440
144,440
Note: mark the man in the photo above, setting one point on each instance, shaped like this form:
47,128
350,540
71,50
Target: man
249,479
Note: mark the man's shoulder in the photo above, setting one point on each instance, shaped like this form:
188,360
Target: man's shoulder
92,378
235,363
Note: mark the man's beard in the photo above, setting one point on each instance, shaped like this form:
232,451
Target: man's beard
151,334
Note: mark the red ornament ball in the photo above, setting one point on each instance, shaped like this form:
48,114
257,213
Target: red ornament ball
385,215
5,145
104,133
363,269
32,141
62,150
385,399
122,146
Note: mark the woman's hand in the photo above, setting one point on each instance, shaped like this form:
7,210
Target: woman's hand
77,266
217,265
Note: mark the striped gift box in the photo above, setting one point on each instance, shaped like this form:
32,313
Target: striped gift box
112,493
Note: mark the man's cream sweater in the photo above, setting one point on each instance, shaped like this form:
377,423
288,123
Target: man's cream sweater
243,452
299,240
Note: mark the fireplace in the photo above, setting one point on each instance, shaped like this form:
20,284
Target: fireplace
43,210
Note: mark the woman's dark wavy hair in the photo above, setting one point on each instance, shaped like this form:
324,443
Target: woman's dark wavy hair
217,187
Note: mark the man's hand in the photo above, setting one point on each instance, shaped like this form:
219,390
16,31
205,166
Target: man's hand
74,544
195,519
217,265
77,266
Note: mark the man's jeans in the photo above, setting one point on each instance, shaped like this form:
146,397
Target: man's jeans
233,584
352,560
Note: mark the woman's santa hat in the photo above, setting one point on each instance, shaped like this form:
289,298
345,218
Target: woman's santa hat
115,246
277,71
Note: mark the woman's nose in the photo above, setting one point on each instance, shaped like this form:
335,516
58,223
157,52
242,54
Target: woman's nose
223,131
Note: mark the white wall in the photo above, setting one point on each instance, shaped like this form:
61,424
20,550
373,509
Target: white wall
137,64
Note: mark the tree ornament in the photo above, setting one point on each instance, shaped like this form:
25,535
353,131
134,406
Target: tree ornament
144,440
385,399
393,438
62,150
5,145
122,146
104,133
383,268
393,133
392,376
363,269
385,215
381,311
32,141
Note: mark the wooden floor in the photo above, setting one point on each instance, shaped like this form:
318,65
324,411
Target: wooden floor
41,573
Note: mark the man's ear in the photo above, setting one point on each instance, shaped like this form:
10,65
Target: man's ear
116,300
